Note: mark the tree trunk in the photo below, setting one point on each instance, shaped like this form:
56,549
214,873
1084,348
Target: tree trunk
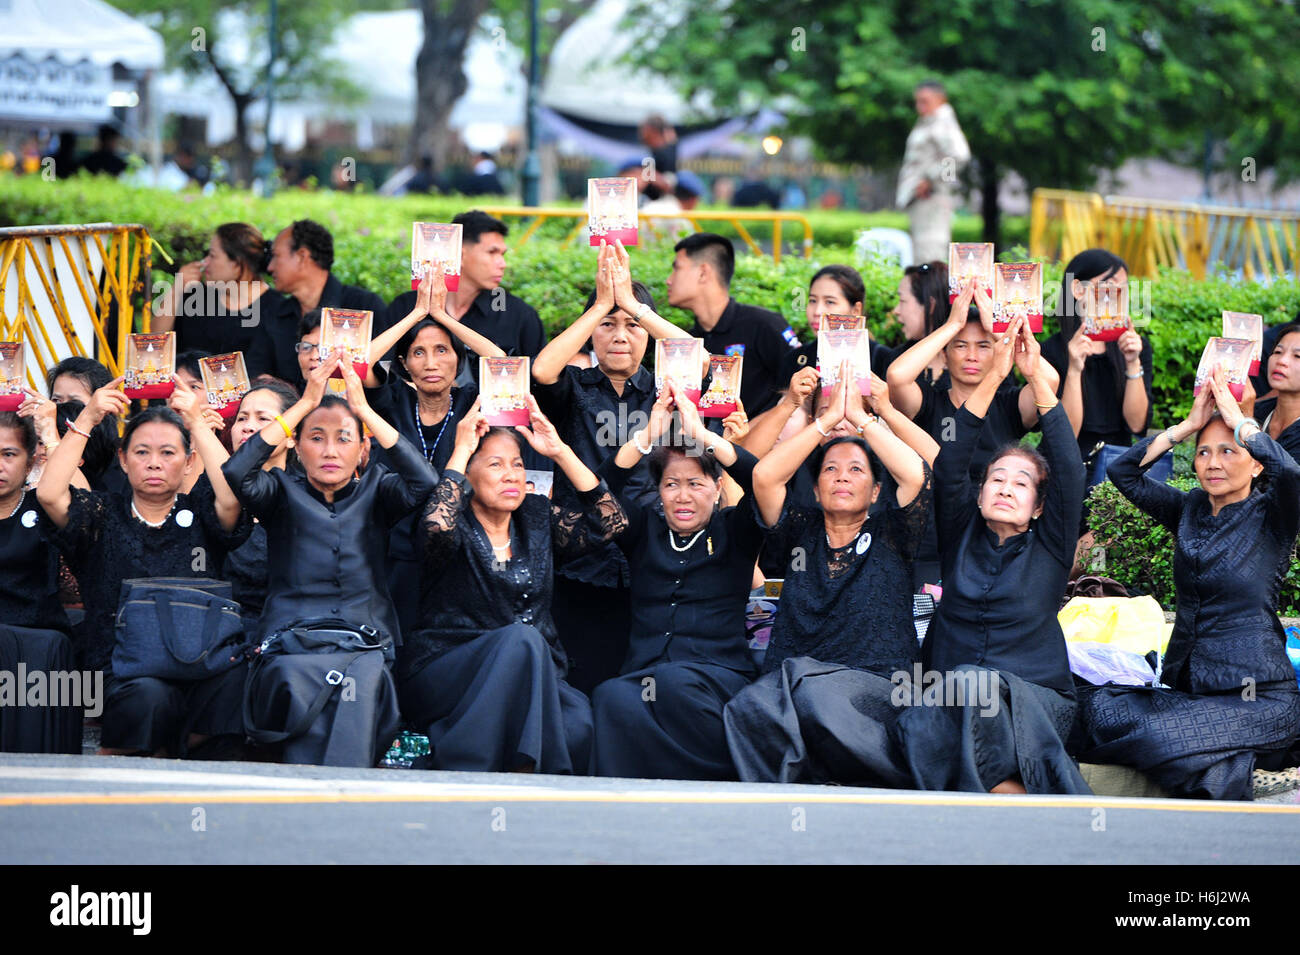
242,167
989,176
440,75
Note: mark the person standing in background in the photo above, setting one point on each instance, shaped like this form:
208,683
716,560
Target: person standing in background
927,183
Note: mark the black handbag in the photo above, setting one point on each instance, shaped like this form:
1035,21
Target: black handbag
345,643
177,628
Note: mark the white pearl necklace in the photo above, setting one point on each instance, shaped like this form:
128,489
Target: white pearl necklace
22,498
681,550
148,523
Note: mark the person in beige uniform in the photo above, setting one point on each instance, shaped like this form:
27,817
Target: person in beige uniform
927,183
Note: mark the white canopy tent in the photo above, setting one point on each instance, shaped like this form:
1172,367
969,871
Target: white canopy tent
57,60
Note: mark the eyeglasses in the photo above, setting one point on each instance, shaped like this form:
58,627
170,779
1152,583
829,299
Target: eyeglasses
303,347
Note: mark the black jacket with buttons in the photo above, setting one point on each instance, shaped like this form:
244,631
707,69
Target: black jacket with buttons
327,559
688,602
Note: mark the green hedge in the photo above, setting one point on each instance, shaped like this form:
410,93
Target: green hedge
372,237
1138,552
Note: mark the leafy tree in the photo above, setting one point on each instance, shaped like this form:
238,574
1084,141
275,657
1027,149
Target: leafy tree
1055,90
199,41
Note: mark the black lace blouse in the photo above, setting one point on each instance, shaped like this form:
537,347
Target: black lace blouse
104,544
1228,571
466,592
850,605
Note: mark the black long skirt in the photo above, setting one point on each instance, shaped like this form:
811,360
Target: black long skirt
665,722
145,714
813,722
358,722
594,623
499,704
44,728
1204,747
973,744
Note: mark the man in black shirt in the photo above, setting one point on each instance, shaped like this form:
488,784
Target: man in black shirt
700,282
301,258
480,301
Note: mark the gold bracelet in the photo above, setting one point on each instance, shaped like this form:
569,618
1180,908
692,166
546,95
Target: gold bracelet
1046,407
288,432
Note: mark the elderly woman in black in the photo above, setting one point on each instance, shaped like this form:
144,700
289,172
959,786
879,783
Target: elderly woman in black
157,531
1228,703
821,711
692,566
994,654
327,532
595,409
484,675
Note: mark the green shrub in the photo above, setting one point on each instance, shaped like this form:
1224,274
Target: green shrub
1135,550
372,240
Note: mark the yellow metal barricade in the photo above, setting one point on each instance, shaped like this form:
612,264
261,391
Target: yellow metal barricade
655,222
1149,233
74,290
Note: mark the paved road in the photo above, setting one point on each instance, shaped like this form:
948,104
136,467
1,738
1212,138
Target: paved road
78,810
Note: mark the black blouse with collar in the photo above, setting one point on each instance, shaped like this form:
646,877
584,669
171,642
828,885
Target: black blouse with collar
327,559
1228,570
689,594
1000,601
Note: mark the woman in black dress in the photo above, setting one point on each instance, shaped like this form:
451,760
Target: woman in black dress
1228,702
821,710
692,568
218,303
594,410
33,626
418,397
1280,414
994,654
1106,386
157,531
484,675
327,531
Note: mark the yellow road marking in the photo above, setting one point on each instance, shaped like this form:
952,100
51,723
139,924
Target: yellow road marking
662,797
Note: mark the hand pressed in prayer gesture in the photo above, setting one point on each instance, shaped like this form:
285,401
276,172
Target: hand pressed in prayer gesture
837,408
661,415
605,262
356,391
854,410
692,426
984,304
624,297
1005,345
318,378
879,397
541,436
960,309
1223,399
1202,409
1028,352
